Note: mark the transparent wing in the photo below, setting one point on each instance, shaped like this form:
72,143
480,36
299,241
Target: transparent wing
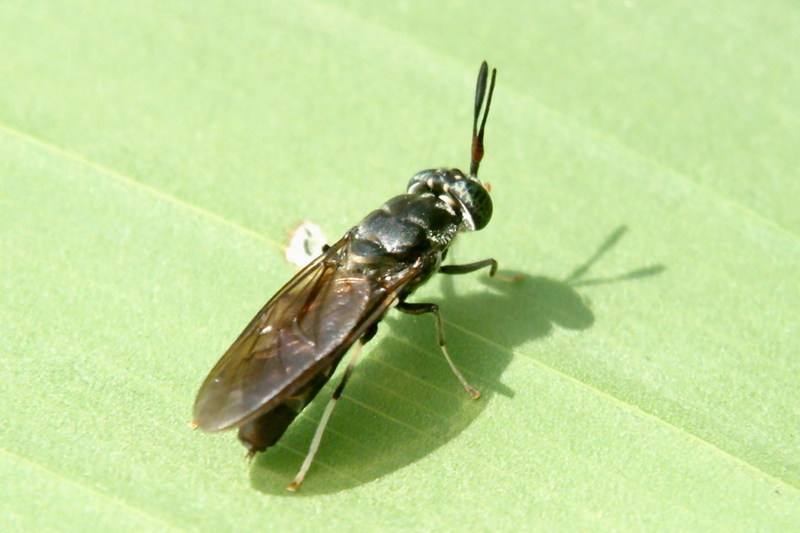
309,324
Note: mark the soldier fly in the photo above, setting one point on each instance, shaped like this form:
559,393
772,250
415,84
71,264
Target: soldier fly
293,345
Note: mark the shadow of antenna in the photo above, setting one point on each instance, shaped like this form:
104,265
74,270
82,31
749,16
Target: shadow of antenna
574,278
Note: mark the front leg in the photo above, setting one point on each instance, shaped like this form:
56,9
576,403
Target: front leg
477,265
470,267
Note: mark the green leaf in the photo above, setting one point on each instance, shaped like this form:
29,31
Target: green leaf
643,375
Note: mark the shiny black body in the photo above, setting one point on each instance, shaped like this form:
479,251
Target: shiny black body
293,345
410,229
405,239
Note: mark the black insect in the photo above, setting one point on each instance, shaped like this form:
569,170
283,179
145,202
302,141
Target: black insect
293,345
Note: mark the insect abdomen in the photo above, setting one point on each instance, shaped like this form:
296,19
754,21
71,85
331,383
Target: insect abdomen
262,432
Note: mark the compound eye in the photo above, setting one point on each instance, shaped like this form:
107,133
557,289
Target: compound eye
475,201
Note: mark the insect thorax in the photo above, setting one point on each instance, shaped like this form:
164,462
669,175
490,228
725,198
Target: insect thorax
407,228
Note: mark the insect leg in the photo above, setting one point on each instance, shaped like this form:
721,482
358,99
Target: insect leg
422,308
470,267
312,449
477,265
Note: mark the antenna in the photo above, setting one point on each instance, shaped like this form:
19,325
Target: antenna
477,134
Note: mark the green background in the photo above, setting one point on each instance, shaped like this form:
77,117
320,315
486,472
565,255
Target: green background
644,160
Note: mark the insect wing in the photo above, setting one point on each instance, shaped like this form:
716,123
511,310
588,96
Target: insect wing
300,326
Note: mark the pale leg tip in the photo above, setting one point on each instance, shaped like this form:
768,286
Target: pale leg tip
508,279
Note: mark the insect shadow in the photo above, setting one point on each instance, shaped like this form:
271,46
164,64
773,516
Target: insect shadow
403,401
